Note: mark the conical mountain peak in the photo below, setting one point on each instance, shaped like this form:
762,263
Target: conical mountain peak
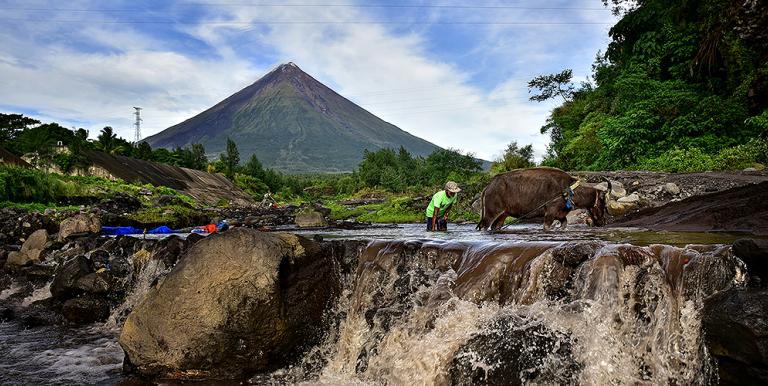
291,122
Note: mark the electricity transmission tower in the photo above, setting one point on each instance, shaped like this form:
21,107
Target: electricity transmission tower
137,113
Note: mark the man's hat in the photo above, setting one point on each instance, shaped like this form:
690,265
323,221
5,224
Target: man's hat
452,187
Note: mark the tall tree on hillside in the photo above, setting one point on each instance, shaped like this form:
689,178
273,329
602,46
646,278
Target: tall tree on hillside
13,124
198,159
230,159
107,140
254,168
552,85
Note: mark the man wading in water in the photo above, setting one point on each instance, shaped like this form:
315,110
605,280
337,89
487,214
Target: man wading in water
440,205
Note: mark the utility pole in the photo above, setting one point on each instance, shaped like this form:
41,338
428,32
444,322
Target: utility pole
137,113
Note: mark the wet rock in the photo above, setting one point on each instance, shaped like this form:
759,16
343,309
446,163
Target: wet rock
310,218
64,285
618,209
736,332
169,250
237,302
577,216
99,259
41,313
95,282
617,189
79,224
672,188
6,314
511,351
31,249
631,199
754,253
119,266
39,272
193,238
85,309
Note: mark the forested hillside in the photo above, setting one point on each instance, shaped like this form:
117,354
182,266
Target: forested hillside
682,86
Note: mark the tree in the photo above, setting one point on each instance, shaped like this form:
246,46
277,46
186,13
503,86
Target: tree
107,140
514,157
230,159
197,157
443,162
13,124
552,85
254,168
143,151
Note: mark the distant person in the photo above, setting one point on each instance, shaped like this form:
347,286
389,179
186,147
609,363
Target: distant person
442,201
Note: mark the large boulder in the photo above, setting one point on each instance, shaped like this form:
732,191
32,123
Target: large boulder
86,309
237,302
30,250
79,224
65,282
754,253
310,218
736,330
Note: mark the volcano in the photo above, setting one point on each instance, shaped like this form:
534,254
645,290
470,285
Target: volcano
292,123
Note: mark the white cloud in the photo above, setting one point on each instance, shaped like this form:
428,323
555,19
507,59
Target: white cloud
396,76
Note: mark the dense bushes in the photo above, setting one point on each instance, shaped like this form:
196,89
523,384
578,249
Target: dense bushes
25,185
683,86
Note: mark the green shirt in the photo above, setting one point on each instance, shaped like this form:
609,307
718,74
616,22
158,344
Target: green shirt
440,200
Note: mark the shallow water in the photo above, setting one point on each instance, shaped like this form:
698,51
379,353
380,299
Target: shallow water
56,355
527,232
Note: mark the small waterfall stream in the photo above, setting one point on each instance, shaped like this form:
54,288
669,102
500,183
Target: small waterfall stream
463,313
447,312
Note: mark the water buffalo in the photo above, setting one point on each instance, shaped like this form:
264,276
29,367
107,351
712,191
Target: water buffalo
520,192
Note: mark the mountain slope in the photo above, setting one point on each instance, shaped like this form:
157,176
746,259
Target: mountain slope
293,123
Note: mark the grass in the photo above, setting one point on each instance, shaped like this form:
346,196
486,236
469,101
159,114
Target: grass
171,215
36,190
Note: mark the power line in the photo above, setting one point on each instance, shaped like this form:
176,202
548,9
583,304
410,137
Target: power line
287,22
335,5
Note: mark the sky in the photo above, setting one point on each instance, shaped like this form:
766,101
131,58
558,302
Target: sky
452,72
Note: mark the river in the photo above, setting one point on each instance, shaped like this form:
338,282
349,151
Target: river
416,335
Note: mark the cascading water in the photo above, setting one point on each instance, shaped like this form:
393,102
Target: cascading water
465,313
440,312
65,356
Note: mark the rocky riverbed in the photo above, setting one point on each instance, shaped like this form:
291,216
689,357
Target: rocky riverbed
497,309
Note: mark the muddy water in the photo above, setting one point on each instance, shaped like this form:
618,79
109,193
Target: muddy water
612,306
627,314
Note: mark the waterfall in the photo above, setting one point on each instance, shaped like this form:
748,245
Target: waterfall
146,271
441,312
41,293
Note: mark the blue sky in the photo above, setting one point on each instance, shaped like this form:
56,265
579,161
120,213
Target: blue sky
452,72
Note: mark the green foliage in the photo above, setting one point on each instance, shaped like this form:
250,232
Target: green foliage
13,124
752,154
679,79
25,185
231,159
551,86
514,157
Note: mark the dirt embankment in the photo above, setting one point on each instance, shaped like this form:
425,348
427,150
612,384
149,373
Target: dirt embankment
711,201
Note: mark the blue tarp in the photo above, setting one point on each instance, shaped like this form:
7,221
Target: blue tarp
161,230
134,231
121,230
